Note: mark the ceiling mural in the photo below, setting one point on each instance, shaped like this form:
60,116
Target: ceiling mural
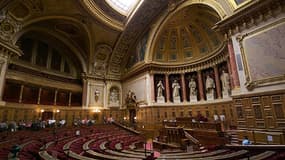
188,36
138,53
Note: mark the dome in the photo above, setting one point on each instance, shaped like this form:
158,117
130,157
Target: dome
188,36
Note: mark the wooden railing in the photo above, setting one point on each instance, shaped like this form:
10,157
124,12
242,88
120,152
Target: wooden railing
195,125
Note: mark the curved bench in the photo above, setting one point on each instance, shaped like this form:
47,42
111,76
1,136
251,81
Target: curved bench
174,156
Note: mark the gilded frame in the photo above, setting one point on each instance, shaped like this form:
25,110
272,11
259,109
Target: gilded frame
250,82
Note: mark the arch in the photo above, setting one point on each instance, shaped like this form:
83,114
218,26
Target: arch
60,38
154,33
28,23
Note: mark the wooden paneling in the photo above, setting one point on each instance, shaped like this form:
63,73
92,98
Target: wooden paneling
261,111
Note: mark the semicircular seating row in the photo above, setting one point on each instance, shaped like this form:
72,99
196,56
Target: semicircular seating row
103,142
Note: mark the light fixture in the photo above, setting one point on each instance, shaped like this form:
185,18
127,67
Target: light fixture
42,110
57,111
125,118
96,110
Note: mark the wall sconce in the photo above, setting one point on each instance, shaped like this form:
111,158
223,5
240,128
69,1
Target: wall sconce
57,111
125,118
42,110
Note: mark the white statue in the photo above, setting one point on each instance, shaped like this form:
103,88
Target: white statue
114,97
225,78
160,89
210,86
175,91
192,86
193,90
96,95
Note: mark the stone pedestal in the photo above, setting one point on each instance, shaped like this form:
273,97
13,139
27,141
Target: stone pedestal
210,96
193,98
160,99
226,94
177,99
114,104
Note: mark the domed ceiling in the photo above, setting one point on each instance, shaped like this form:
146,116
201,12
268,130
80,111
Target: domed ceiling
188,36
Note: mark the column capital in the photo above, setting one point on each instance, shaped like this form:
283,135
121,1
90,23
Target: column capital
7,50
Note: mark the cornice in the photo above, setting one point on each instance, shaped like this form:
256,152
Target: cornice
7,49
250,15
95,10
41,81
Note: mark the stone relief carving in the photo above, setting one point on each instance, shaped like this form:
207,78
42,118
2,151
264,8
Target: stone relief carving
102,54
8,26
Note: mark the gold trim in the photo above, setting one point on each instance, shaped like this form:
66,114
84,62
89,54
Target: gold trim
250,83
237,6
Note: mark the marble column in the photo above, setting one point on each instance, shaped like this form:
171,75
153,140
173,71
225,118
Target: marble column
167,88
236,83
217,80
200,85
6,51
184,95
21,94
55,97
152,91
39,96
84,91
230,73
69,98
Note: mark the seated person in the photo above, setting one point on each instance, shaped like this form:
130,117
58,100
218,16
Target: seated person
245,141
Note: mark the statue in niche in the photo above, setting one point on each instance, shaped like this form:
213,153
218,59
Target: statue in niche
114,96
225,79
193,89
192,86
96,95
131,98
160,98
175,91
160,89
175,87
210,86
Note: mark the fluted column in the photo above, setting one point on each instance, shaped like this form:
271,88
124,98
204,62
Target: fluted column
167,88
200,84
234,71
183,87
217,80
69,98
152,91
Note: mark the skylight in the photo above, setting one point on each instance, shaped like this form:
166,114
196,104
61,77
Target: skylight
124,7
